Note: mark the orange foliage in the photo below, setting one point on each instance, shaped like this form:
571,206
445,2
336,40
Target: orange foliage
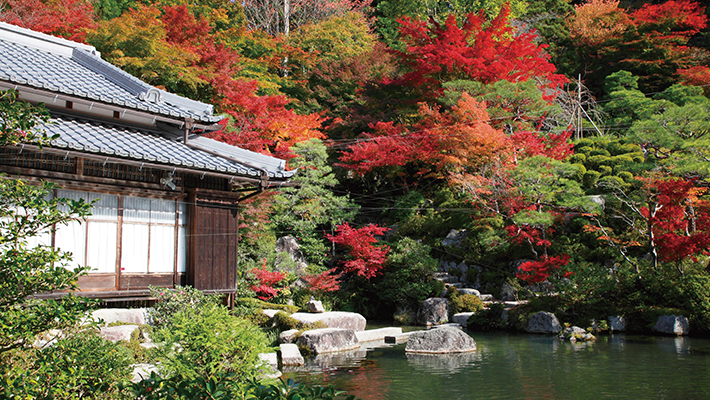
598,21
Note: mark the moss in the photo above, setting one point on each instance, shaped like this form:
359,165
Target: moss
465,303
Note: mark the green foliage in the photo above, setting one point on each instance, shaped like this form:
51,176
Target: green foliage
169,302
305,211
26,212
204,341
464,303
487,319
19,120
335,38
81,365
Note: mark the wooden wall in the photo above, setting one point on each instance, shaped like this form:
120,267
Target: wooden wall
213,247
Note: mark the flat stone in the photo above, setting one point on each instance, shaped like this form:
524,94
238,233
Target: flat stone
473,292
290,355
334,319
485,297
377,334
544,322
137,316
462,318
447,325
118,333
271,364
440,341
270,313
288,336
329,340
672,325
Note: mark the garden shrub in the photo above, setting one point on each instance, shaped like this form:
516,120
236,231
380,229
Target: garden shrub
488,319
81,365
205,341
465,303
169,302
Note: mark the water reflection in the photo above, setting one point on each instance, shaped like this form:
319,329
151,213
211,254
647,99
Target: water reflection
442,363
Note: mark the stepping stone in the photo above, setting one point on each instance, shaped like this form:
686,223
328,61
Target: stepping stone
290,355
377,334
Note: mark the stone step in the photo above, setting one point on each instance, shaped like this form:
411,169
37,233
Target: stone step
290,355
445,277
377,334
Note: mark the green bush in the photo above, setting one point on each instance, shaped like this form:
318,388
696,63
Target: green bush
488,319
465,303
208,340
169,302
82,365
590,179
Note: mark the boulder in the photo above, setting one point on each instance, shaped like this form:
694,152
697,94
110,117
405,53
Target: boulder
508,292
433,311
617,323
672,325
469,291
455,237
485,297
576,334
118,333
315,306
290,246
462,318
290,355
270,367
136,316
288,336
440,341
328,340
334,319
544,322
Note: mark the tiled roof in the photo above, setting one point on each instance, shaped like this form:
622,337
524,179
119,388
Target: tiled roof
116,141
61,66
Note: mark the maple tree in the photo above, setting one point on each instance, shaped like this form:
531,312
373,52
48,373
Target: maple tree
277,17
266,281
364,258
651,42
67,18
541,270
481,50
458,139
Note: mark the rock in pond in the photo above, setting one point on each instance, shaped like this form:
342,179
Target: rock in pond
290,355
576,334
328,340
334,319
617,323
544,322
440,341
462,318
672,325
433,311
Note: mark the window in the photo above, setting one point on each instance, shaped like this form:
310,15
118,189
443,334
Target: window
150,229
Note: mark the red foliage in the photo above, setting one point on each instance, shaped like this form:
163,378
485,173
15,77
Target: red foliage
672,19
267,280
681,223
555,146
326,281
538,271
480,50
66,18
458,138
365,260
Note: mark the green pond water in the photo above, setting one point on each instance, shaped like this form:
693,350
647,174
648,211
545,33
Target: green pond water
509,366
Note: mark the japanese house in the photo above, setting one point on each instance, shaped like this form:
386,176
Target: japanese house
167,198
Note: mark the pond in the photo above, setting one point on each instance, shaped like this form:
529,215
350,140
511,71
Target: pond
510,366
